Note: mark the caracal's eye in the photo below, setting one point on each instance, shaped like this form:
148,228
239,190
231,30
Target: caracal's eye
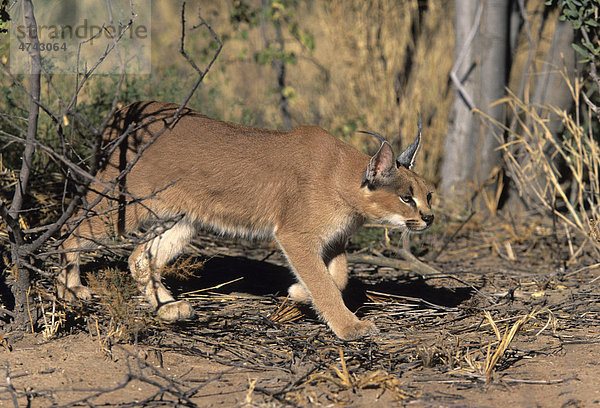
407,200
428,198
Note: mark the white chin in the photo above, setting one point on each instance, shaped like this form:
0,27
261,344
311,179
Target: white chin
396,220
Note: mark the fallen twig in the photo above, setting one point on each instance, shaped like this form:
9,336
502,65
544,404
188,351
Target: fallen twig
408,263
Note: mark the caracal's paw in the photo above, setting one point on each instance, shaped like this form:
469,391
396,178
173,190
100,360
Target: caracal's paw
73,293
174,311
357,330
298,293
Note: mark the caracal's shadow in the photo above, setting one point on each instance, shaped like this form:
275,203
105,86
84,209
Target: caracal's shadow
235,274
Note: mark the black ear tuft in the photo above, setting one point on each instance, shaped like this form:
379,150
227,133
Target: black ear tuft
407,157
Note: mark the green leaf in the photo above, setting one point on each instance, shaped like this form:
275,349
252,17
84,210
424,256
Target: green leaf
588,45
308,40
289,58
581,51
570,13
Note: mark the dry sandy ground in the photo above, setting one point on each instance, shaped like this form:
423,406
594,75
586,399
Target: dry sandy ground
243,349
76,368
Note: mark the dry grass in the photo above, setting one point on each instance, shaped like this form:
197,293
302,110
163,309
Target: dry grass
558,176
183,268
286,312
117,292
504,341
343,379
368,70
53,319
438,334
467,352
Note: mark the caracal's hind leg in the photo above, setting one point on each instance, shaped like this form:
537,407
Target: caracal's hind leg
337,267
146,262
68,284
85,236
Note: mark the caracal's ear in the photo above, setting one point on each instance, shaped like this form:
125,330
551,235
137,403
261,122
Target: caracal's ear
407,157
381,168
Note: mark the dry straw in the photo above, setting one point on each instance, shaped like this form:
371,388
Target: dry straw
286,313
504,341
558,176
344,379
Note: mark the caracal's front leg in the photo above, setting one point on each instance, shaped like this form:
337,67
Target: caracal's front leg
326,297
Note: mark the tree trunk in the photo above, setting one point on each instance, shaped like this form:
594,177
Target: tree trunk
459,140
481,67
494,46
551,89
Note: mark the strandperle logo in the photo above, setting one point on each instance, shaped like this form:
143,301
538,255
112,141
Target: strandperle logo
74,35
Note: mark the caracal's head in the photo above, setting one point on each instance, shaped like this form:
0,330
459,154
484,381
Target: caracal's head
394,193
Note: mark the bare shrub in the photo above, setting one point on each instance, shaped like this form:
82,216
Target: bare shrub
117,291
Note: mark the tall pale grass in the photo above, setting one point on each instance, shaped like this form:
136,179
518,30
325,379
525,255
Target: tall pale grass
559,176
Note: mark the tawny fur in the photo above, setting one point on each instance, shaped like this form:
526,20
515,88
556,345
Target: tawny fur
304,188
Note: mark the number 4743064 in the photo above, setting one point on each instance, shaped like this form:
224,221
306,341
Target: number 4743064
43,46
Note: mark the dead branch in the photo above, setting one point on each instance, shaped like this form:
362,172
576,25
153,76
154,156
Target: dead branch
409,262
21,286
379,261
201,74
416,264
